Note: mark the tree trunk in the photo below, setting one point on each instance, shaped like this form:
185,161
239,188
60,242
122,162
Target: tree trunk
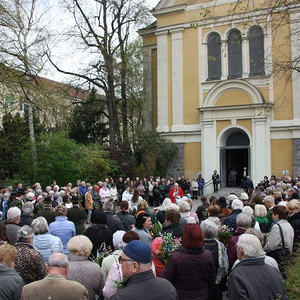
32,139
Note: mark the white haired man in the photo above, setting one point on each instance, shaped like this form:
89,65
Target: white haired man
55,285
12,226
236,206
251,278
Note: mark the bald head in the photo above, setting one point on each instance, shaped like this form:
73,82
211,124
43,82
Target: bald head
58,264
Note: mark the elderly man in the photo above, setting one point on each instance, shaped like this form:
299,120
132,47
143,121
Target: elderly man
236,206
12,226
136,262
55,285
112,221
251,278
11,282
269,203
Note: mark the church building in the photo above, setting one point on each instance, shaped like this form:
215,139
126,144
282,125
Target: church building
219,82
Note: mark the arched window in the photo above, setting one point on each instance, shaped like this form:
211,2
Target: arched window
235,54
214,56
256,51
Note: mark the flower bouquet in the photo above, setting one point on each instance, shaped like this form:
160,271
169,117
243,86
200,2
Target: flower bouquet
224,234
102,252
169,244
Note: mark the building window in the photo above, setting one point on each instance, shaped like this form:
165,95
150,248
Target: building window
214,56
235,54
256,51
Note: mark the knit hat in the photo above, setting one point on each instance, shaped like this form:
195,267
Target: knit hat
139,252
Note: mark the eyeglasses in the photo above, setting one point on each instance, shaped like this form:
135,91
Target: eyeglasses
121,259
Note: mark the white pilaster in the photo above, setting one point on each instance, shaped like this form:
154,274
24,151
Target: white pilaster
162,82
203,69
295,52
224,60
261,150
245,57
177,79
209,149
268,58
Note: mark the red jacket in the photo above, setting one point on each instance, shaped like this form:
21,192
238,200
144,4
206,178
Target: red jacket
171,194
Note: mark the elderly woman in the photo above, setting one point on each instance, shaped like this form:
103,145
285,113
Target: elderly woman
30,263
294,217
172,223
218,251
243,222
185,212
191,268
44,242
213,212
62,228
143,205
280,237
27,218
161,214
260,213
142,226
11,282
88,273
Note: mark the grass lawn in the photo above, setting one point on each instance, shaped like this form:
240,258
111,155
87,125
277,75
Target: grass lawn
292,282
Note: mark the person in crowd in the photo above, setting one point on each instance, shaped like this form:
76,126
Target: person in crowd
112,220
11,282
194,188
183,266
157,258
176,193
66,201
55,285
62,227
27,214
99,233
244,198
243,223
185,212
44,242
172,223
248,186
294,218
252,278
89,204
115,272
114,194
201,184
77,215
3,235
133,202
269,203
126,218
201,210
136,262
218,251
192,213
142,227
12,226
120,188
109,260
143,206
230,221
216,180
161,214
224,207
260,213
82,270
96,196
82,189
104,193
30,263
274,239
126,195
213,212
47,211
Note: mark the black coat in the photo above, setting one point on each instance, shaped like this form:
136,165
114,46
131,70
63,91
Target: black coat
230,221
25,220
77,215
294,220
113,222
175,228
253,279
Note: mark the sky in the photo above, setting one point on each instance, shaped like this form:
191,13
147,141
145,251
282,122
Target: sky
65,54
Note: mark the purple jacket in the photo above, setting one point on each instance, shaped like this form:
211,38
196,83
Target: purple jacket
192,272
231,247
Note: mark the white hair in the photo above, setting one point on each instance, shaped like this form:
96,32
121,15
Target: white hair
25,232
165,204
269,198
209,228
173,206
117,239
184,206
40,225
13,213
244,196
247,210
59,260
243,220
260,210
237,204
250,244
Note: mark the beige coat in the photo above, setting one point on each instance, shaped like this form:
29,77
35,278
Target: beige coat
54,287
89,203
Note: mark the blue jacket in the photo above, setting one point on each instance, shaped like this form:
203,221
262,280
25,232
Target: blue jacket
230,221
47,244
64,229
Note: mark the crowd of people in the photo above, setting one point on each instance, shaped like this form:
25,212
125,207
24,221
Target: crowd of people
143,239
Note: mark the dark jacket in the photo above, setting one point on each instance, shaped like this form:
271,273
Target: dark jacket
113,222
26,220
175,228
98,234
231,247
14,283
161,216
30,263
230,221
77,215
127,220
253,279
11,232
294,220
147,287
201,210
48,214
192,272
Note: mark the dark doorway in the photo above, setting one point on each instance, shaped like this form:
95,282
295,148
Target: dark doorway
236,160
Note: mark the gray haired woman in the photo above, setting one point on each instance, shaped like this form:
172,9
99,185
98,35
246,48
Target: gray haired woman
44,242
29,264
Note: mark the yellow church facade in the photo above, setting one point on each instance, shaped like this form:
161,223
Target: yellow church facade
213,86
